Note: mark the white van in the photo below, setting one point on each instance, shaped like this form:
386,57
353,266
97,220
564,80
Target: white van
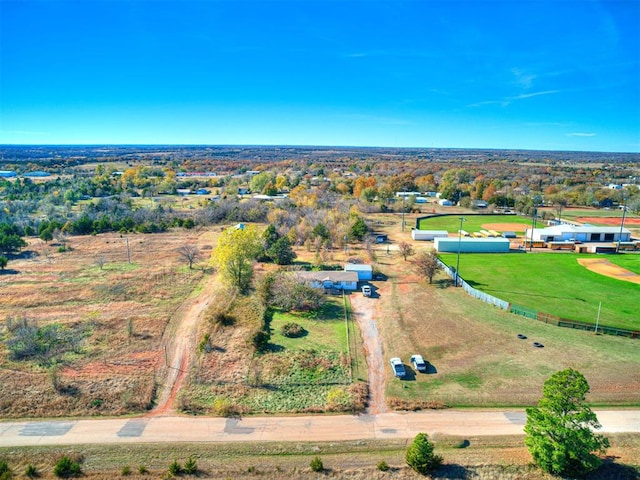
366,290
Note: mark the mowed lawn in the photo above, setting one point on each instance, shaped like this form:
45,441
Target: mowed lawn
472,223
556,284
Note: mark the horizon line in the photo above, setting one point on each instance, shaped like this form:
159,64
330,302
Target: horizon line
258,145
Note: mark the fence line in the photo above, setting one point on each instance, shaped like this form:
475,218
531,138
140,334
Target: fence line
534,314
485,297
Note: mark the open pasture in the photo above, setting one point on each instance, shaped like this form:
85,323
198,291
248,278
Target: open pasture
476,358
556,284
110,317
475,223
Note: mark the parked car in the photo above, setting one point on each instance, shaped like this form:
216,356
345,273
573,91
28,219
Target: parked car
398,367
418,363
366,290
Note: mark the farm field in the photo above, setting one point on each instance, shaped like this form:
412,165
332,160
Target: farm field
475,356
556,284
475,223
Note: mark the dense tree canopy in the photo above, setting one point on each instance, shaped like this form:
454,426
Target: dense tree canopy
559,431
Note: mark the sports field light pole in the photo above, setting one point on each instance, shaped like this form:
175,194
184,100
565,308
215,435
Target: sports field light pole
624,213
462,219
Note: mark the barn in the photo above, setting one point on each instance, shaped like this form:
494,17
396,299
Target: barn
330,279
364,271
579,233
471,245
428,234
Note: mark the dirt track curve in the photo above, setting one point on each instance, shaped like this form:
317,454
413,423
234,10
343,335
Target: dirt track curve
179,342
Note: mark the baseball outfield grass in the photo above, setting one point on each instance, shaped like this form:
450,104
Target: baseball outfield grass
556,284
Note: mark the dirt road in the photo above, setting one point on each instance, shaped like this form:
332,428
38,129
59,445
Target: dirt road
179,341
293,428
363,312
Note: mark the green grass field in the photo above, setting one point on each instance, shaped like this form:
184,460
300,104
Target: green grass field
326,330
472,223
556,284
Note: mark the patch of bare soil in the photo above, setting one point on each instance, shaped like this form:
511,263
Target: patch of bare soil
504,227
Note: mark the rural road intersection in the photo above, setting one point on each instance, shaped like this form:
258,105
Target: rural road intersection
157,429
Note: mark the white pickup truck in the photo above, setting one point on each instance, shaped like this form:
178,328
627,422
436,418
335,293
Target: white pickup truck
366,290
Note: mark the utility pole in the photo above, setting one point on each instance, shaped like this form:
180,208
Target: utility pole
624,213
128,251
462,219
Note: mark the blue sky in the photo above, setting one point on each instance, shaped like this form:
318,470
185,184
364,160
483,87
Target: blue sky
558,75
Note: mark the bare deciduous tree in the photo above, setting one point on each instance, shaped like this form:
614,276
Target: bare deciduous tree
101,262
406,250
427,265
190,254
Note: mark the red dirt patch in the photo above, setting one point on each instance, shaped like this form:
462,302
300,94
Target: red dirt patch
505,227
610,220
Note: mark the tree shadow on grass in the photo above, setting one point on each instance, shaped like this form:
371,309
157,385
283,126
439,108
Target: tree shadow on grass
618,471
452,471
274,348
9,271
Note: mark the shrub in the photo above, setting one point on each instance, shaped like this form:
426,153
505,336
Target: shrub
31,471
5,471
292,330
316,464
382,466
66,467
190,466
420,455
260,340
126,471
142,470
175,468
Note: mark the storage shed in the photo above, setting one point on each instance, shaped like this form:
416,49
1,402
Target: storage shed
428,234
471,245
364,271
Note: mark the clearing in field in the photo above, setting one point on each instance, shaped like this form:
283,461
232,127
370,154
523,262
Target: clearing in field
608,269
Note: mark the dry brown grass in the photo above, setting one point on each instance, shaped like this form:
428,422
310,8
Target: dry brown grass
124,308
473,349
503,458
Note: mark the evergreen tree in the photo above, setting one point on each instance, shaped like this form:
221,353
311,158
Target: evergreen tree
420,455
559,431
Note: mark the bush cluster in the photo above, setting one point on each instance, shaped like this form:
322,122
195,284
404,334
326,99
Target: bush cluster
292,330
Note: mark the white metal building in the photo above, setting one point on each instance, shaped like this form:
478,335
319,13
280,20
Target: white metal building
581,233
471,245
428,234
364,271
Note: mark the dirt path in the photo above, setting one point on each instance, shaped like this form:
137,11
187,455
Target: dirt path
179,342
363,312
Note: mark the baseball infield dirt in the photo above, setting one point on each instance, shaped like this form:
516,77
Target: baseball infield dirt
608,269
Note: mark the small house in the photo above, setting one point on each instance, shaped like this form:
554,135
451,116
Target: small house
364,271
330,279
445,203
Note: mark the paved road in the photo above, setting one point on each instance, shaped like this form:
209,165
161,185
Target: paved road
303,428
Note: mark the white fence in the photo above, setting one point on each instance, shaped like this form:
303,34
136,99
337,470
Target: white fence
485,297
